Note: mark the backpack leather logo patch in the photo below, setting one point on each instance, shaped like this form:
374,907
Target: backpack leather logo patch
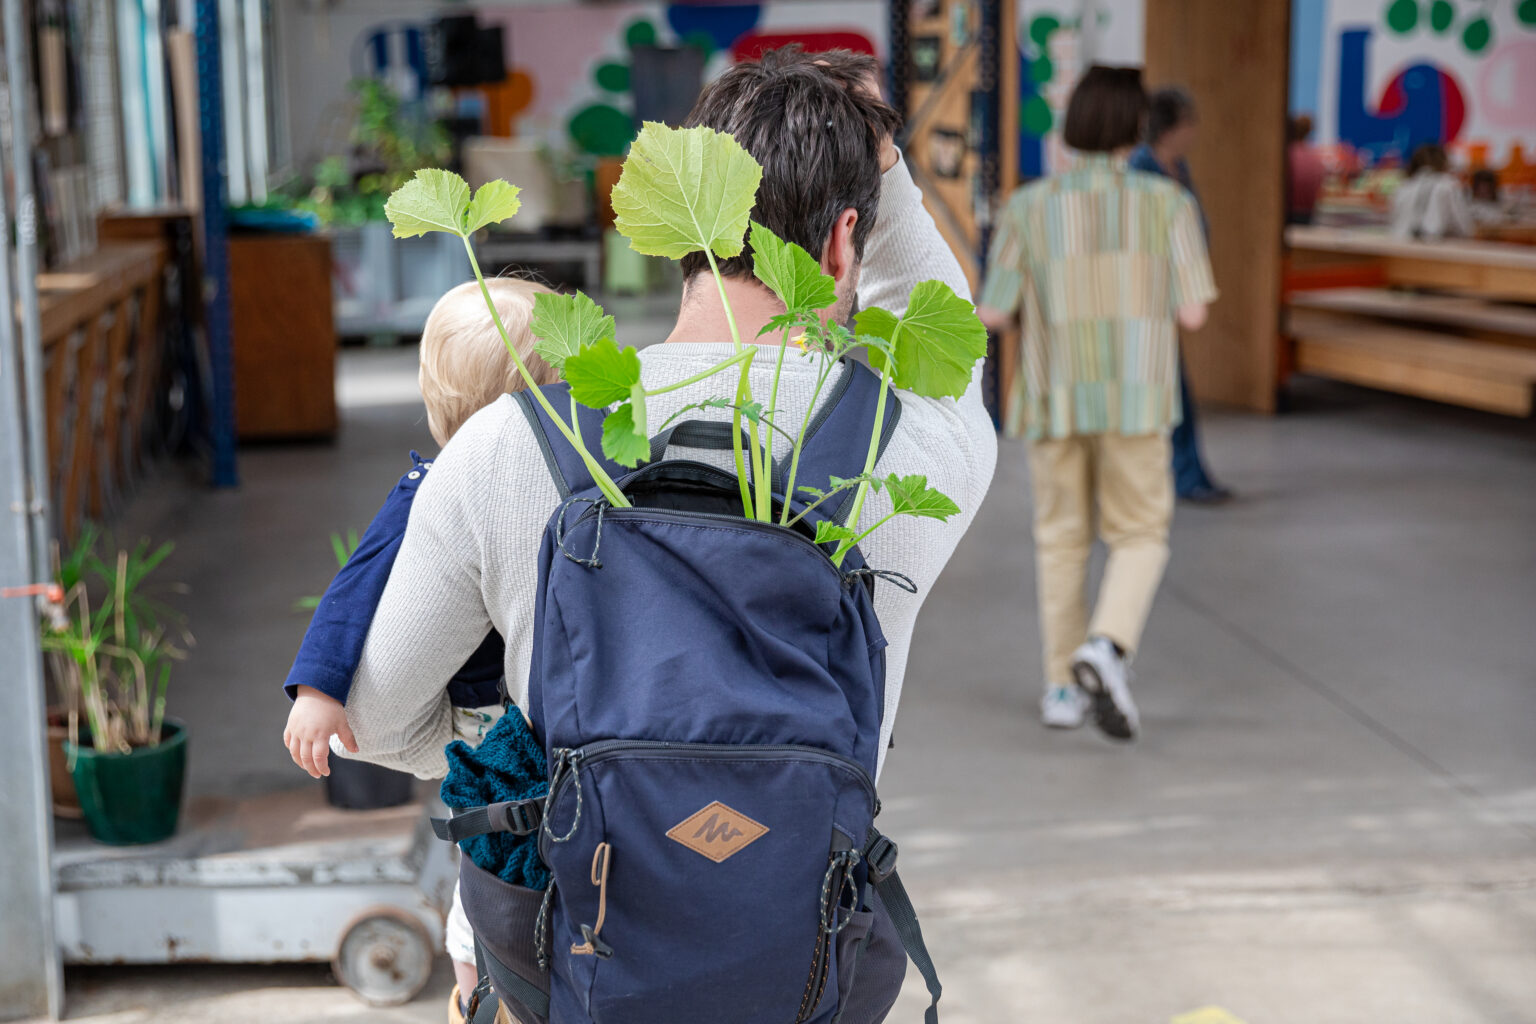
717,832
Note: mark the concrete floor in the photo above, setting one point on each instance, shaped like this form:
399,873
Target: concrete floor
1331,817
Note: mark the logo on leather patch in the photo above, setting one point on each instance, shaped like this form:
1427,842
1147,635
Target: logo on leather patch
717,832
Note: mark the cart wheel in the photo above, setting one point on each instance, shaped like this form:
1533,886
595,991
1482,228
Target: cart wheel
385,957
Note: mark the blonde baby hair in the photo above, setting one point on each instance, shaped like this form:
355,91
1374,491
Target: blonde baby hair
464,364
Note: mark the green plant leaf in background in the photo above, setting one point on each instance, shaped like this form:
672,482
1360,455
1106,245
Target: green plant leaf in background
432,201
624,438
563,325
684,190
601,374
939,341
790,272
911,496
494,202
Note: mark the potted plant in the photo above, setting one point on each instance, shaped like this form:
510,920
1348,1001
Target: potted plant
111,646
381,288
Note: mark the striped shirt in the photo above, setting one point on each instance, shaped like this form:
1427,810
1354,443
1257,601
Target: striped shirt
1100,258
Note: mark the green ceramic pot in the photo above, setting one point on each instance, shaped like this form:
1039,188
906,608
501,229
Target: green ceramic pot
135,797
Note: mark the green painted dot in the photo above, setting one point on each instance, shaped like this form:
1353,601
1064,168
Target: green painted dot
1041,27
1035,116
1041,69
1403,15
700,40
612,76
1525,10
1441,14
1477,35
601,130
640,33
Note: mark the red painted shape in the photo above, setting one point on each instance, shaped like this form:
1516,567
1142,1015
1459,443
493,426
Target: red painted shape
752,45
1453,105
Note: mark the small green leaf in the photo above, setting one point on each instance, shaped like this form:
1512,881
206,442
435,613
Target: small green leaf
783,322
790,272
827,532
911,496
624,440
815,492
684,190
752,412
841,483
494,202
939,341
600,374
565,324
434,200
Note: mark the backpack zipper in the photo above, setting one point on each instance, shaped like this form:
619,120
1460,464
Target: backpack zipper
568,762
717,518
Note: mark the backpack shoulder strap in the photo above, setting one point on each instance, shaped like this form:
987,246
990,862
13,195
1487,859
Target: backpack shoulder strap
837,439
566,469
880,861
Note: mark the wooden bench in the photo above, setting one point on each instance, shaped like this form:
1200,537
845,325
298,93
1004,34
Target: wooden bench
1448,348
101,354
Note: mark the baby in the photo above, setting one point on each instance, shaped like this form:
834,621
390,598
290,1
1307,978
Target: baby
464,367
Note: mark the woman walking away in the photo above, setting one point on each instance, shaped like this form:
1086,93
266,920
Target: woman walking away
1170,134
1431,204
1104,263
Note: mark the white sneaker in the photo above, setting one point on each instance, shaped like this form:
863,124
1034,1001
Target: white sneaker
1102,674
1064,707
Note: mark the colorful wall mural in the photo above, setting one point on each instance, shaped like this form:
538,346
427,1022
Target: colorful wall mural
1057,39
568,80
1380,77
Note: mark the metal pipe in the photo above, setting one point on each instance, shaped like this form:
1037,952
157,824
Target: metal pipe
31,975
36,429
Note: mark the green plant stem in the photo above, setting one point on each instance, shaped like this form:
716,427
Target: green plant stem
770,415
874,445
794,460
743,388
825,497
696,378
604,481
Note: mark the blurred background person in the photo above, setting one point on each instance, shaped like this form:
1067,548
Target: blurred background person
1304,171
1170,135
1430,203
1099,383
1487,205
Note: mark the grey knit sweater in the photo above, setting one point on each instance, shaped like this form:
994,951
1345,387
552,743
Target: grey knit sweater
470,555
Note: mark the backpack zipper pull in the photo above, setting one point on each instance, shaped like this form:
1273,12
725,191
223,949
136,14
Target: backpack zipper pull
595,946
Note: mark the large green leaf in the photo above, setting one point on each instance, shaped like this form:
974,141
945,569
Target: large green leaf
939,340
684,190
494,202
624,438
601,374
563,325
911,496
432,201
790,272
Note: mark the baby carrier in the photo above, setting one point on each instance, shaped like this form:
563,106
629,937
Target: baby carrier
709,690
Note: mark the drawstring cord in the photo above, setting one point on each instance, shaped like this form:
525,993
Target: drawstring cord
591,561
541,928
899,579
602,857
840,871
565,761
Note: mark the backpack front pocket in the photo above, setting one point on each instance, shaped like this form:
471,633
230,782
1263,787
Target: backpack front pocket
701,882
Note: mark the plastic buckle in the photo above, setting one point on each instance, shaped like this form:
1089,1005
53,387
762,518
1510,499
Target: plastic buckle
880,859
519,817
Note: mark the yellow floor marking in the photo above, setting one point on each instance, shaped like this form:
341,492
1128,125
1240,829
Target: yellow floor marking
1207,1015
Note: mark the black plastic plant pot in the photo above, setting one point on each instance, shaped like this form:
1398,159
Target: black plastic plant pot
360,786
135,797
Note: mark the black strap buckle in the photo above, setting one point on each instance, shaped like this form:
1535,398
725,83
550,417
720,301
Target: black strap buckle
880,858
519,817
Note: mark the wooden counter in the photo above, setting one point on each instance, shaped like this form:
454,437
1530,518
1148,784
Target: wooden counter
1495,270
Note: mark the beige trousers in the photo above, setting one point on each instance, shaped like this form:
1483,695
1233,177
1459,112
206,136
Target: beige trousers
1129,482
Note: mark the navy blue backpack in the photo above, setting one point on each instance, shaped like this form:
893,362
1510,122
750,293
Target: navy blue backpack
709,690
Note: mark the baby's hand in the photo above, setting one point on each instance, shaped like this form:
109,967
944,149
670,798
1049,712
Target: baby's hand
315,718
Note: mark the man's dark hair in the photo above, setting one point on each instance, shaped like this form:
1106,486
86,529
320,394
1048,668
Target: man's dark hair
1298,128
803,117
1168,108
1106,110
